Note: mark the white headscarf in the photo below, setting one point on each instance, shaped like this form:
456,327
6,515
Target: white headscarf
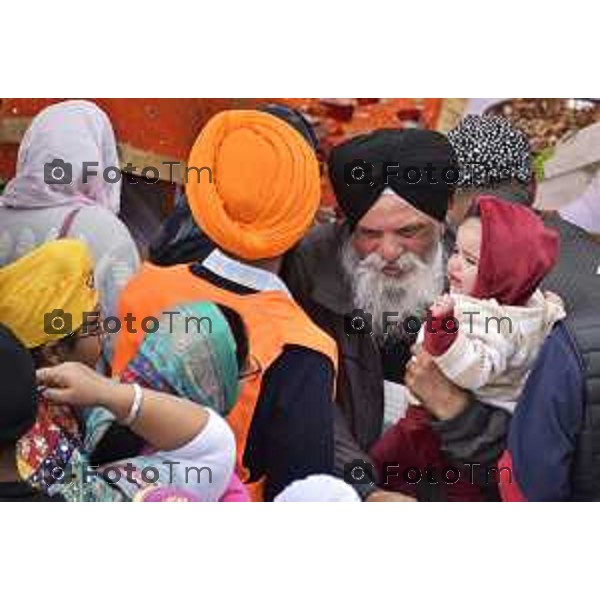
75,131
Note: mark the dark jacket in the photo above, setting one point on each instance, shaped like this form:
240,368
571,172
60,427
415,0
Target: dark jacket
314,276
554,441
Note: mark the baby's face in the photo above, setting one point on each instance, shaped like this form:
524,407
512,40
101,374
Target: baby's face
464,262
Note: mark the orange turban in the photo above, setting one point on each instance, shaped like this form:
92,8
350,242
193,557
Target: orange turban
265,187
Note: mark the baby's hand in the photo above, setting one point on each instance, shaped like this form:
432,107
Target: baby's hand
442,307
437,339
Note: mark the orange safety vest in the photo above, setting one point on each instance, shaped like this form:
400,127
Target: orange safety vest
273,320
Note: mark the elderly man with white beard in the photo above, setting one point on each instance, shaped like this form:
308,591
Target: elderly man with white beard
385,259
394,264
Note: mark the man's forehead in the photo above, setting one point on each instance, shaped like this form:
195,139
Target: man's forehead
392,206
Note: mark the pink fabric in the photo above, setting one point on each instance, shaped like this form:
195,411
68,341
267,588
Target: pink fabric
235,492
75,131
165,494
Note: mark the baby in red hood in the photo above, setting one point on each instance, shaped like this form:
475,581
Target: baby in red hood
486,333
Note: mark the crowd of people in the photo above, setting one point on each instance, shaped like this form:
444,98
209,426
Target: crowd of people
438,340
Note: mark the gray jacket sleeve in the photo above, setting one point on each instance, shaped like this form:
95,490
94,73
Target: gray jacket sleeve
477,436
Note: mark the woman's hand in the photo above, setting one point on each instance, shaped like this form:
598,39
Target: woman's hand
165,421
76,384
440,396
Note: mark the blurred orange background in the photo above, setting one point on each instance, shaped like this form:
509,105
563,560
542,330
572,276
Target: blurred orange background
152,130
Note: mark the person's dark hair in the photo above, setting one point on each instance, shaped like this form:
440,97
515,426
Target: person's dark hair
514,191
240,334
38,353
179,239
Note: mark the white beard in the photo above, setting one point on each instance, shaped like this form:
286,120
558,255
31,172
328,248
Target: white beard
408,294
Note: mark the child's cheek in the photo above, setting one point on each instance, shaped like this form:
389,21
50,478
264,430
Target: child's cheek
469,280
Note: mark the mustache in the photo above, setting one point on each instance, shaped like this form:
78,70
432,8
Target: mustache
405,263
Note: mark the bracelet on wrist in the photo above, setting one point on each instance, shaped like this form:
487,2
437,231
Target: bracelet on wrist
136,405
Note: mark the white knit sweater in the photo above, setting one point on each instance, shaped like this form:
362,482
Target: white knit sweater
496,345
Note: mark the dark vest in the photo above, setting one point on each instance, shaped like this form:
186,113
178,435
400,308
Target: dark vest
576,281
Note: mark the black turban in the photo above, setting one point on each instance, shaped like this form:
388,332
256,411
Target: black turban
18,394
418,165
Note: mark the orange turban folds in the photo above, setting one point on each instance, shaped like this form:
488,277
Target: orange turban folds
265,187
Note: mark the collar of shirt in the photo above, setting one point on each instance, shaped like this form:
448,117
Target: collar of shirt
243,274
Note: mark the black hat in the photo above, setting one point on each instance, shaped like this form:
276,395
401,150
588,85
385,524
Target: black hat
418,165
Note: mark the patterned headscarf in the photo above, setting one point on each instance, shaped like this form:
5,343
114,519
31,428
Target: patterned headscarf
490,151
373,154
193,355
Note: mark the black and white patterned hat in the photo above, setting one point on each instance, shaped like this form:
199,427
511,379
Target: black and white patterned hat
490,151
